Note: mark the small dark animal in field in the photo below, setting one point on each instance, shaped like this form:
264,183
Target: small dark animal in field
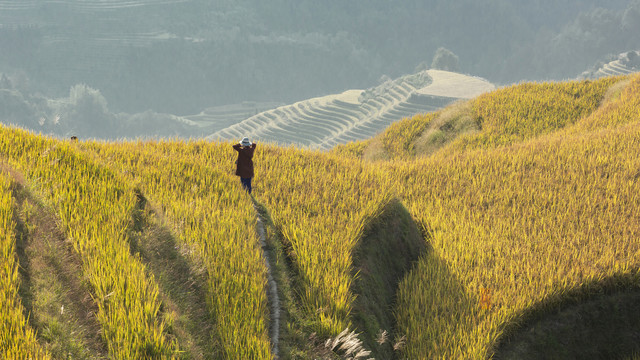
74,138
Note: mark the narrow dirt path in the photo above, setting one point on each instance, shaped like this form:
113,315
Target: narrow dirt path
272,288
53,289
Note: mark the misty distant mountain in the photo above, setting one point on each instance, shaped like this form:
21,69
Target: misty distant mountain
320,122
181,57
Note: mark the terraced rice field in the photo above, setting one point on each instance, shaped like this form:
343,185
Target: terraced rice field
220,117
112,33
354,115
614,68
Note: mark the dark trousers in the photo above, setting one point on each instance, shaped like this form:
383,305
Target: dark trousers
246,184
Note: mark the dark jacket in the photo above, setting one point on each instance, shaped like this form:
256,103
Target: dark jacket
245,160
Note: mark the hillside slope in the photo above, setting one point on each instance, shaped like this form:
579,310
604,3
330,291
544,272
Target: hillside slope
529,212
527,206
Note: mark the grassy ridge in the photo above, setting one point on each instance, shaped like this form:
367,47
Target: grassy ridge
399,138
498,118
17,338
215,222
548,226
531,197
512,226
620,109
95,208
320,204
529,110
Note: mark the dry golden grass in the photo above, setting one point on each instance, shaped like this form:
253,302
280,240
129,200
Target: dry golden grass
94,207
450,123
215,223
321,204
526,222
354,149
17,338
515,226
532,195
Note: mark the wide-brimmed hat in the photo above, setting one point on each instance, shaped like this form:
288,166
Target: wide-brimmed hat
245,142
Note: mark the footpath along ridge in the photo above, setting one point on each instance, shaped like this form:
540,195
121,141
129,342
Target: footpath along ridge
272,288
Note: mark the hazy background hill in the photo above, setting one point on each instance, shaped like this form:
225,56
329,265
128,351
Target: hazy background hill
180,57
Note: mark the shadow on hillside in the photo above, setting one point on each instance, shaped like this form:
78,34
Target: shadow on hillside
598,321
181,282
390,246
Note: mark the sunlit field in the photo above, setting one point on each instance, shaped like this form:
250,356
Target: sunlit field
527,198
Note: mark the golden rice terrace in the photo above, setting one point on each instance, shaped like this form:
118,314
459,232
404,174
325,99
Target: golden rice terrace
505,226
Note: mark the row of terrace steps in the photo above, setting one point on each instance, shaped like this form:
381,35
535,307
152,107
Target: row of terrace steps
621,66
614,68
318,123
223,116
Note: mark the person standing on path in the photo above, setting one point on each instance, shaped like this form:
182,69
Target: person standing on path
244,164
